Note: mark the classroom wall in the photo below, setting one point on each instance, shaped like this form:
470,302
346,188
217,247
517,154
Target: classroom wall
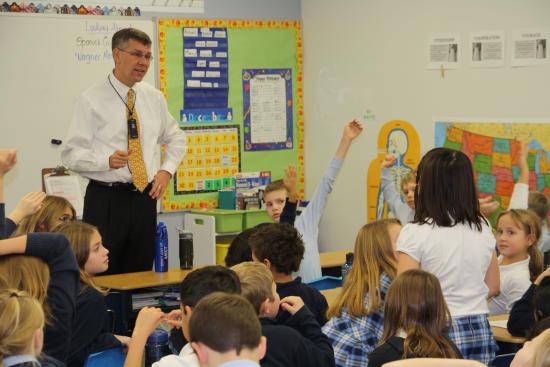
234,9
371,55
214,9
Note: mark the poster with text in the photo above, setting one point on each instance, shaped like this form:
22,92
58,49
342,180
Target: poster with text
444,51
529,47
487,49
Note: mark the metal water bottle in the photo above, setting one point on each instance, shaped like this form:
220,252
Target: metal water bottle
186,250
161,248
156,347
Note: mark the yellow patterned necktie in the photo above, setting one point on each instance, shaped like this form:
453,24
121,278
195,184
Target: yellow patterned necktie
137,165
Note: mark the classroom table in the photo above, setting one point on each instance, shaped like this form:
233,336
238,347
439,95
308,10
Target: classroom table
121,287
501,334
333,259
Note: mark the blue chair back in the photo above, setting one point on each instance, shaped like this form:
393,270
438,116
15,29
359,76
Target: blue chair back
503,360
113,357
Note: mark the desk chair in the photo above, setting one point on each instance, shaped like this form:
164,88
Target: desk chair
113,357
502,360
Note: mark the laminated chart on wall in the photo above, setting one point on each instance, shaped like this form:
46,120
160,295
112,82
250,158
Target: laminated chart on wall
201,67
400,139
267,99
211,162
493,149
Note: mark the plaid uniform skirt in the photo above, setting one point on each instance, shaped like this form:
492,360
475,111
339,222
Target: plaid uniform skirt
473,337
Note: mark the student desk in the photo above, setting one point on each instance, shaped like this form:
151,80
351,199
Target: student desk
121,287
501,334
333,259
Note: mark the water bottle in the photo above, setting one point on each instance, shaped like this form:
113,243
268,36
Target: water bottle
156,347
161,248
347,266
186,250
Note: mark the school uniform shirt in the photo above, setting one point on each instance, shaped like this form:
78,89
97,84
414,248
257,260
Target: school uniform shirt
90,332
307,223
300,342
458,256
55,250
186,358
399,208
514,282
522,314
313,299
353,338
95,134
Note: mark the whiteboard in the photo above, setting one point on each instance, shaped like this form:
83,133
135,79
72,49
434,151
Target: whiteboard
46,62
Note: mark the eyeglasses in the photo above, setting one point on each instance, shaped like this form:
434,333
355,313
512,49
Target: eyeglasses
139,54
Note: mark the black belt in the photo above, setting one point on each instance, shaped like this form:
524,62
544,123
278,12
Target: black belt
115,185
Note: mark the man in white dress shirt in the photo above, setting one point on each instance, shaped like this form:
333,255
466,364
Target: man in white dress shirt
113,140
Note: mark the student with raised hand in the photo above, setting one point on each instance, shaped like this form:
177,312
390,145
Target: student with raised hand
451,239
520,261
90,332
29,274
29,204
280,248
404,211
416,321
226,332
21,335
308,222
300,342
356,317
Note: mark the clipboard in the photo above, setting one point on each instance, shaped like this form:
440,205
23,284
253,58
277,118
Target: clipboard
59,181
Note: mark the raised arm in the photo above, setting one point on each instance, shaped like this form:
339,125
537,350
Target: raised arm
352,130
520,195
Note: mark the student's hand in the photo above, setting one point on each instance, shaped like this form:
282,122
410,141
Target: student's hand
148,319
290,182
159,184
523,152
8,158
119,159
488,206
28,205
389,160
173,319
292,304
352,130
541,276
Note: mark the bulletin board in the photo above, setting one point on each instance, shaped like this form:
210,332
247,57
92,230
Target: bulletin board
239,82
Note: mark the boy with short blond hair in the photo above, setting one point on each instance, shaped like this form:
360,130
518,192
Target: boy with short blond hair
300,342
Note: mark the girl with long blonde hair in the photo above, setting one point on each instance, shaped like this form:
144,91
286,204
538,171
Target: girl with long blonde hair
356,317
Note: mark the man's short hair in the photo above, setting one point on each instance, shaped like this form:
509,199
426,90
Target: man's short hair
225,322
256,282
539,203
274,186
281,244
201,282
121,38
